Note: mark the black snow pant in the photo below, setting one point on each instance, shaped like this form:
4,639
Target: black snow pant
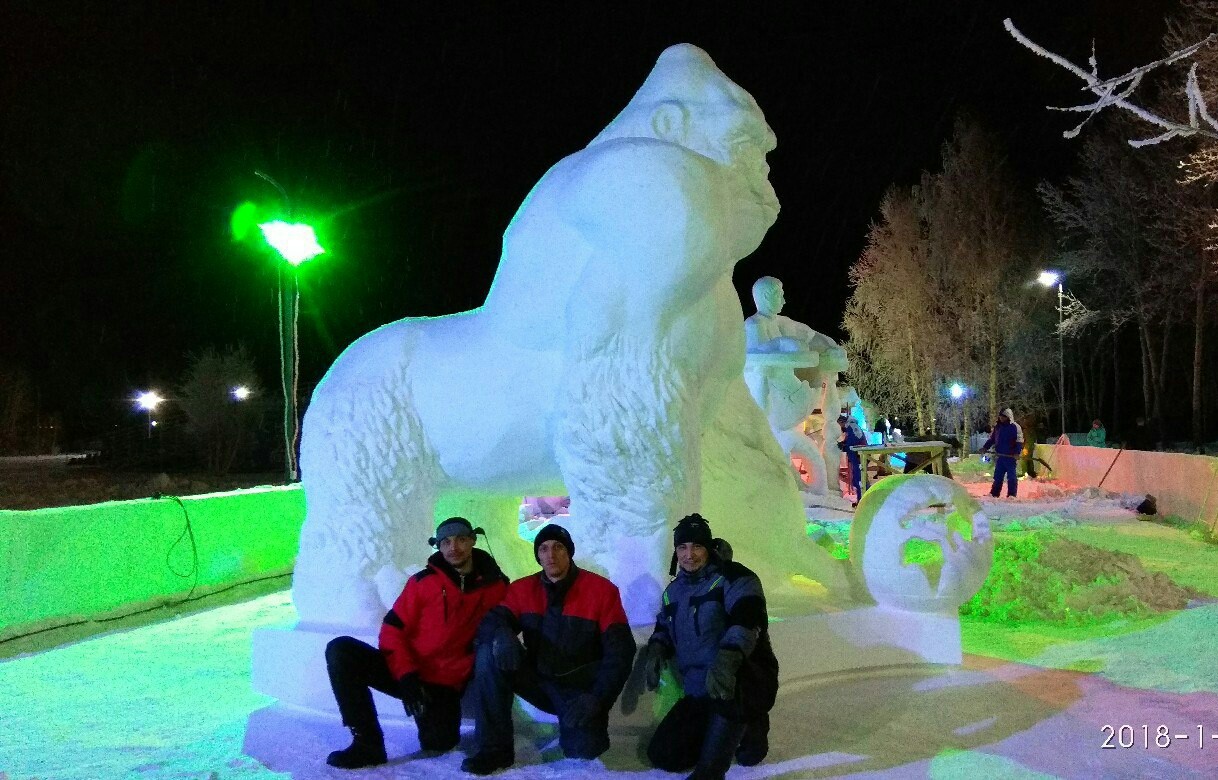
699,730
1004,467
688,732
495,690
356,666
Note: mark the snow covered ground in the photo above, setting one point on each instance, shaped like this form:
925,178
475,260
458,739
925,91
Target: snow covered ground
173,700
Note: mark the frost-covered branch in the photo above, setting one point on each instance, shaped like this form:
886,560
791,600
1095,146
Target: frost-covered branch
1116,91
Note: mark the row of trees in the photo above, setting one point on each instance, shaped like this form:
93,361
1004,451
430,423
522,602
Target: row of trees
203,423
941,293
1137,223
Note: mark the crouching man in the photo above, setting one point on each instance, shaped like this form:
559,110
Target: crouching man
425,656
576,656
713,621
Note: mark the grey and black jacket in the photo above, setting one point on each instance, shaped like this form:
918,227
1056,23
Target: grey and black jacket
720,606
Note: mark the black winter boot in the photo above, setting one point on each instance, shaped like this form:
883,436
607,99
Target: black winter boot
484,762
756,742
367,749
718,747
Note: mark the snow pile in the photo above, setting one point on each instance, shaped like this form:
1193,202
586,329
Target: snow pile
1041,576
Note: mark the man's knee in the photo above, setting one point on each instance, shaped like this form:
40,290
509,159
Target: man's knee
339,649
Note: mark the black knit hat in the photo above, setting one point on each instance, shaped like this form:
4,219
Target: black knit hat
553,531
453,526
693,528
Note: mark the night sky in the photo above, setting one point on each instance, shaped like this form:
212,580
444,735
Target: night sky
130,132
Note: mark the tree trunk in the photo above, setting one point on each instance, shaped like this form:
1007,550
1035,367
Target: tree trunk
1161,378
1101,377
915,385
1116,379
993,379
1144,344
1198,336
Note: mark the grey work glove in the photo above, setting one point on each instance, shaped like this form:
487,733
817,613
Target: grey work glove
582,710
721,676
652,660
648,666
507,651
413,695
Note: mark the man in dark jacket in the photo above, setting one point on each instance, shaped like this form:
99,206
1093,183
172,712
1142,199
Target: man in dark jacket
1007,443
853,436
425,657
714,622
576,656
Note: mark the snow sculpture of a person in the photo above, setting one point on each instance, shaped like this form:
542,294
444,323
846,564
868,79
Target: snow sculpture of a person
635,237
778,345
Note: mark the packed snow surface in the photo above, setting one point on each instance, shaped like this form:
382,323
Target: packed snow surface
173,700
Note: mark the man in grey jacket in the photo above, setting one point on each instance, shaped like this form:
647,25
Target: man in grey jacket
714,624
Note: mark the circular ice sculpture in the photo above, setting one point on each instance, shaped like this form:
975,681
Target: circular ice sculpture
930,508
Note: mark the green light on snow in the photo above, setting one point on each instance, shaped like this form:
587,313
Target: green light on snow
295,241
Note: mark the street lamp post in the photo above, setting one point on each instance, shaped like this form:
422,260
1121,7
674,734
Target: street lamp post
148,401
958,391
1048,279
295,243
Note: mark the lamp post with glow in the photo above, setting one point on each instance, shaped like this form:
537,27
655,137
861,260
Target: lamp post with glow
296,243
957,391
148,401
1048,279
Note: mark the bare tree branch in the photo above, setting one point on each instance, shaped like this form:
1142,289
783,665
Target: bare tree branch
1115,91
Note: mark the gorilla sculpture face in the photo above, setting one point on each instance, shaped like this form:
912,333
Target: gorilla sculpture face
687,100
729,128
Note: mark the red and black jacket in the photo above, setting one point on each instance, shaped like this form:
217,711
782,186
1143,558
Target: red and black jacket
575,630
432,625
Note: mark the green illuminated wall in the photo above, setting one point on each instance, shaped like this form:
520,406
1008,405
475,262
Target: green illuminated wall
66,564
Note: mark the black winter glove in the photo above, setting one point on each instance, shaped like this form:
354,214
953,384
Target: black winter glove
581,710
721,676
508,652
652,660
415,697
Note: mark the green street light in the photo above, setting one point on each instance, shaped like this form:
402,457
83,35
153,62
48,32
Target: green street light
296,243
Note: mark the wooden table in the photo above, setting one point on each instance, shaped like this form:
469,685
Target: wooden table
936,449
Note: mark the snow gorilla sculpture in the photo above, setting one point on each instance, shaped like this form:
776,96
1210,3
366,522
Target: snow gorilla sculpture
636,237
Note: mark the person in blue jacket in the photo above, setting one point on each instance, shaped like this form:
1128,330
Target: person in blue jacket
714,625
1007,442
853,436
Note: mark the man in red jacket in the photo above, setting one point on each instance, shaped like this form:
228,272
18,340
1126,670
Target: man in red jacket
425,656
576,657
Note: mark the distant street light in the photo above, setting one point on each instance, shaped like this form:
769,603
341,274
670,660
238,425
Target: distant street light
241,393
295,243
958,391
1048,279
148,401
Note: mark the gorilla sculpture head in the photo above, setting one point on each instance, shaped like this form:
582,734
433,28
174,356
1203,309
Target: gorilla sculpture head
686,100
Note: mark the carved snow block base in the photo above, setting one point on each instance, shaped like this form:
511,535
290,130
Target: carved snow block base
289,664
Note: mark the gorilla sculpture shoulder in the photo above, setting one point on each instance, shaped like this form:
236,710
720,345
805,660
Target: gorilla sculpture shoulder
634,239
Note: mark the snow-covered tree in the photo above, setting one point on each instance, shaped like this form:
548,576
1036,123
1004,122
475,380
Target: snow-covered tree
896,345
1179,110
939,291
